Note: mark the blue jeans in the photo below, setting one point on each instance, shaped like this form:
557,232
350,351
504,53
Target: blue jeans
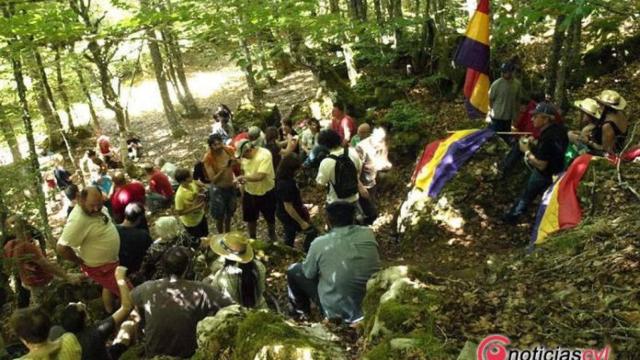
536,185
302,291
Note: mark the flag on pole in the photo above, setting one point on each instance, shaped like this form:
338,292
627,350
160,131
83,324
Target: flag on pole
473,53
560,207
442,159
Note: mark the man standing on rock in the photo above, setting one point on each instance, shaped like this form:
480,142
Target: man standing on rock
504,99
338,265
91,240
218,164
342,123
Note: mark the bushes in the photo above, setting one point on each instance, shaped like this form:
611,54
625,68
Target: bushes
409,126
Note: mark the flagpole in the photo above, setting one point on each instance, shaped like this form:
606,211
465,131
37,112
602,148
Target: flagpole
500,132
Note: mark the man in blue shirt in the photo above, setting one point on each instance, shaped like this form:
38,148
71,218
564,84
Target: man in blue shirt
338,265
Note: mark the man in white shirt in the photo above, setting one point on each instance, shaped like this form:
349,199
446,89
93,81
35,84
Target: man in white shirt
326,172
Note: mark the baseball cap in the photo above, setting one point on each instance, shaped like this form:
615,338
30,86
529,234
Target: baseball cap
545,108
242,146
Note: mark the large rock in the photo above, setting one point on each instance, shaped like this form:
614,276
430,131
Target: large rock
237,333
399,322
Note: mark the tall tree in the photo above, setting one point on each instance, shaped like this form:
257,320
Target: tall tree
61,89
95,122
156,58
100,55
9,135
555,55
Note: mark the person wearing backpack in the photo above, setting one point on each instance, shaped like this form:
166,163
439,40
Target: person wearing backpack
340,170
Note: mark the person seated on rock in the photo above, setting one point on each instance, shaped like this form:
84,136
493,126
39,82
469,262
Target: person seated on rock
93,338
222,124
35,271
160,192
107,154
590,113
124,193
169,233
32,326
104,182
168,169
545,157
237,273
134,147
614,124
335,271
171,307
190,202
134,241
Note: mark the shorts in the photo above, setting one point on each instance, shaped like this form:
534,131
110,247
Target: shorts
222,202
105,276
253,205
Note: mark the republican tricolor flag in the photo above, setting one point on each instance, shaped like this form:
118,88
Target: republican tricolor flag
473,53
442,159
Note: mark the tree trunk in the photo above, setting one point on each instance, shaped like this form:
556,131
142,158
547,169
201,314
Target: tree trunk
169,111
190,105
249,72
554,57
54,127
334,6
377,7
576,51
95,122
352,71
170,69
560,91
9,135
47,87
358,9
62,91
33,156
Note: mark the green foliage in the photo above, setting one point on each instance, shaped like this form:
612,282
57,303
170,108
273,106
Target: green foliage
409,126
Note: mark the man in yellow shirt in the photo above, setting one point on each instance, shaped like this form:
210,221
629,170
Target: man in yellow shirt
258,178
189,204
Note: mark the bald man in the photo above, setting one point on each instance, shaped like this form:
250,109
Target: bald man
91,240
364,131
124,193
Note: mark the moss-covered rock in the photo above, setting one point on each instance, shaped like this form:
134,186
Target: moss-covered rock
248,115
237,333
399,321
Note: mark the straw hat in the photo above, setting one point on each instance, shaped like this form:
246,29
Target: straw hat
612,99
589,106
233,246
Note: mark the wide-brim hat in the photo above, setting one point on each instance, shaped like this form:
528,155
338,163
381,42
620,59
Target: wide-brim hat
234,246
612,99
589,106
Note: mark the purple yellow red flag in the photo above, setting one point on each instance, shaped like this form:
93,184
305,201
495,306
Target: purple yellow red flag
560,207
474,54
442,159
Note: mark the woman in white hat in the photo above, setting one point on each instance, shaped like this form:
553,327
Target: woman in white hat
236,273
591,112
614,123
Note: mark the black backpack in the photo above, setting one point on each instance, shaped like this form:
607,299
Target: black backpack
346,175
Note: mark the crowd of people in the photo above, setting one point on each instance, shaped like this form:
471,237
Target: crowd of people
145,266
137,239
544,142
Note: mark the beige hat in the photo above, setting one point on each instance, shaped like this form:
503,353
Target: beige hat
589,106
612,99
233,246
